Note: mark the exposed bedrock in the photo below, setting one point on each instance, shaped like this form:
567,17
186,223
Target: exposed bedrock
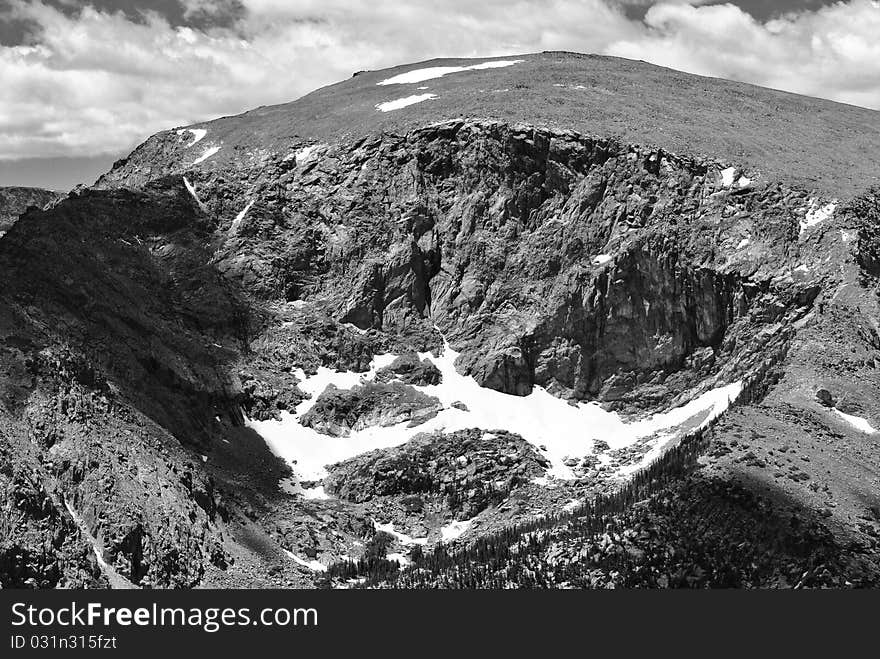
597,269
337,412
469,469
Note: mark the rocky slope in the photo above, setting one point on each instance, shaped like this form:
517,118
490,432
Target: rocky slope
568,242
16,200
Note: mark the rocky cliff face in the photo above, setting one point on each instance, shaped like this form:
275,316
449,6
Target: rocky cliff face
189,301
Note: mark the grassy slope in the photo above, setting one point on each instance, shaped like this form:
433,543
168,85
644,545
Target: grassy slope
810,142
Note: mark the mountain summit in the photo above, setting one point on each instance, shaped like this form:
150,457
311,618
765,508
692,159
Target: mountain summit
388,332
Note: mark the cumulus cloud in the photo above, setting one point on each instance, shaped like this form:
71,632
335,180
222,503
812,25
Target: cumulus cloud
96,81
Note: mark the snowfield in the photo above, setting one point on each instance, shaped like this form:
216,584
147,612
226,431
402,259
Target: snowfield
240,216
198,134
727,177
454,530
396,104
314,566
559,430
856,422
816,214
192,191
432,72
403,538
207,154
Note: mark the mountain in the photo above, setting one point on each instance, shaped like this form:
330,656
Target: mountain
14,201
551,320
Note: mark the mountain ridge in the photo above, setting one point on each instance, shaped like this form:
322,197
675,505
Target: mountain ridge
163,330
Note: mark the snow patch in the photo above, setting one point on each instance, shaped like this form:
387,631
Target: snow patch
192,190
429,73
745,242
116,580
560,430
601,259
402,538
207,154
727,176
304,154
314,565
198,134
454,530
396,104
856,422
240,217
802,268
817,213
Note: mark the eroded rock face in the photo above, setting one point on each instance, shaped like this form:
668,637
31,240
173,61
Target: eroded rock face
596,269
337,412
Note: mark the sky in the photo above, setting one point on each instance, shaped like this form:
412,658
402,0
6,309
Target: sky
83,82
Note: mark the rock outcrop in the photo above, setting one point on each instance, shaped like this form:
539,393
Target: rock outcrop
337,412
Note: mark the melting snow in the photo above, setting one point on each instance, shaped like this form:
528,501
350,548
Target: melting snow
454,530
561,430
601,259
745,242
816,214
116,580
727,176
304,154
420,75
314,565
240,216
396,104
198,134
856,422
207,154
403,538
744,182
802,268
191,189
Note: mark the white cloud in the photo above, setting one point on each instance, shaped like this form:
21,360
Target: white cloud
98,83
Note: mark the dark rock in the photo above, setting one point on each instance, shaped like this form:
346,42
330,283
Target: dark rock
410,370
337,412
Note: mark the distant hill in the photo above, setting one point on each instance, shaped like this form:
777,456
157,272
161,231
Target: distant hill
15,200
812,143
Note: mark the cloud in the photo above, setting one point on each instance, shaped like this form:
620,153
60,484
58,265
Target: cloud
96,82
